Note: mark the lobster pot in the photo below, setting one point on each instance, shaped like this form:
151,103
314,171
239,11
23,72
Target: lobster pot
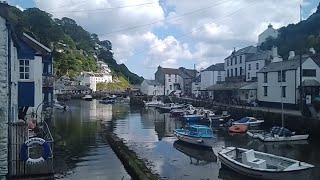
19,168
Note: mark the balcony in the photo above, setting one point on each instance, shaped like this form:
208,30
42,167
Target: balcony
47,81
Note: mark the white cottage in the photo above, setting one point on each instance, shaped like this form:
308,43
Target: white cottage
152,87
269,32
280,81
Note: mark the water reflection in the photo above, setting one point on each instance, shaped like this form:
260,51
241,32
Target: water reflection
198,156
80,152
149,133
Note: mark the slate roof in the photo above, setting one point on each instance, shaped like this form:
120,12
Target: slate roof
182,72
228,86
253,85
291,64
245,50
260,55
152,82
215,67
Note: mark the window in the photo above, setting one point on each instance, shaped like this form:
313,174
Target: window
170,87
169,80
283,91
227,72
219,73
283,76
257,66
175,80
219,78
246,96
24,69
265,90
235,60
240,59
309,72
240,73
175,76
249,66
236,72
231,72
227,62
248,76
231,61
265,77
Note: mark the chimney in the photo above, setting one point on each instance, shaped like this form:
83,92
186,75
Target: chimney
312,50
291,55
275,56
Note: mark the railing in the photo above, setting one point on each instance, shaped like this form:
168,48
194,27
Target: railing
20,133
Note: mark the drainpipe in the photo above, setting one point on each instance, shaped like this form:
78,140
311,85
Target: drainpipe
9,97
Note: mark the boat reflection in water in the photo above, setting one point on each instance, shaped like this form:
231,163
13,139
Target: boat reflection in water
228,174
198,155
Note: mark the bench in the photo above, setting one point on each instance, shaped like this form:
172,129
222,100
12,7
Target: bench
249,159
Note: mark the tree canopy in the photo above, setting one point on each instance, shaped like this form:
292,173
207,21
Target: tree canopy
74,48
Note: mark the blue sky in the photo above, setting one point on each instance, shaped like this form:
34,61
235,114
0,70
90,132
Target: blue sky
206,41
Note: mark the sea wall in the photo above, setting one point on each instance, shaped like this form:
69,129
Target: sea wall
134,166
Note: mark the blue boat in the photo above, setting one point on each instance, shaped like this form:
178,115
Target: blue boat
196,134
192,117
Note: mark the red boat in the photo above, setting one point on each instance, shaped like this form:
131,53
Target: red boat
238,128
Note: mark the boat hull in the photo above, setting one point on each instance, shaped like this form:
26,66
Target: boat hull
206,142
190,118
276,175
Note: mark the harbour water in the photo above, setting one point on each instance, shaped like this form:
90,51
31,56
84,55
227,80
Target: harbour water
82,153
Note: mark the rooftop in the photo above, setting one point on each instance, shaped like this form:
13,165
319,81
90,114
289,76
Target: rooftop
291,64
152,82
182,72
215,67
245,50
260,55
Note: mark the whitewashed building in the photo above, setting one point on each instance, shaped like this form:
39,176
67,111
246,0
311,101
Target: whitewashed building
152,87
235,64
178,81
269,32
275,87
212,75
91,79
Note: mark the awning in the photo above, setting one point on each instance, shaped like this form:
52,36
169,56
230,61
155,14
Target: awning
310,83
251,86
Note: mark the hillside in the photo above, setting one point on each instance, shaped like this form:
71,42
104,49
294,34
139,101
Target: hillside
303,35
75,49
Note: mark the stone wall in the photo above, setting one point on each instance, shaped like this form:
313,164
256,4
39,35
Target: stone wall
3,98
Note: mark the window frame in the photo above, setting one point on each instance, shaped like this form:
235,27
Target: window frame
265,90
283,91
257,66
265,77
25,73
249,66
309,70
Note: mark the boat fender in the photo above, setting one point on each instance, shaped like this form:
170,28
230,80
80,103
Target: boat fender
199,140
30,142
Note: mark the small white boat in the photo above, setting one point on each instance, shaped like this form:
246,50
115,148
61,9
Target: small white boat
263,165
196,134
278,134
87,97
249,121
59,106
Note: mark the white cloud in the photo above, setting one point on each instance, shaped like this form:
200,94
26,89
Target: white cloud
214,32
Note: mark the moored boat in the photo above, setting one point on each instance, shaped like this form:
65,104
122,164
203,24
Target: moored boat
196,134
192,117
278,134
249,121
238,128
87,97
107,100
263,165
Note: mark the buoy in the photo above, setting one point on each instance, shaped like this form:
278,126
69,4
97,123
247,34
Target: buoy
30,142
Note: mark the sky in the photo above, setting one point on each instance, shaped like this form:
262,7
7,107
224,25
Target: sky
175,33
